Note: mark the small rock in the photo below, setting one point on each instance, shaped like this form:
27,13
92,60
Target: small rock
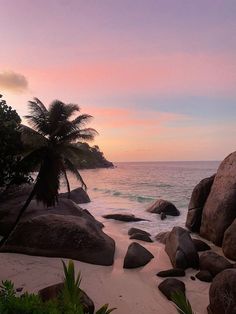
174,272
163,206
213,262
163,216
136,256
137,230
204,275
171,285
193,278
52,292
141,236
181,250
19,289
123,217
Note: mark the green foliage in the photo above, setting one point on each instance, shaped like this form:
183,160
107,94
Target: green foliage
105,310
71,292
11,146
183,305
68,302
92,157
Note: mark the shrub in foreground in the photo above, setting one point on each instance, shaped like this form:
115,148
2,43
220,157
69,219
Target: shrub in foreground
67,302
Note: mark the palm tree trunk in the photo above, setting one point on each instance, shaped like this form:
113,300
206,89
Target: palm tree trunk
23,209
67,184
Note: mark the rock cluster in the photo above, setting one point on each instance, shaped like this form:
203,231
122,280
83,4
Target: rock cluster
212,208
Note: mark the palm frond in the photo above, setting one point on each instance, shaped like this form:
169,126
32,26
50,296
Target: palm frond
82,120
31,161
183,305
32,138
38,117
44,109
84,134
70,166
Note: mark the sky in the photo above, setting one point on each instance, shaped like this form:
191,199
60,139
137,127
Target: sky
159,76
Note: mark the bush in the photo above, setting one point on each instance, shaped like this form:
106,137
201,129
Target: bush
68,302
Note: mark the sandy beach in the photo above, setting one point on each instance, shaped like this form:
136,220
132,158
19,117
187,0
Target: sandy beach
131,291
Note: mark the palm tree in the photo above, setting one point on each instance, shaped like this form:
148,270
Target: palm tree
51,146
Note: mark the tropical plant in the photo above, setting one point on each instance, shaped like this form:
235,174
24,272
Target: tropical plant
51,146
71,291
183,305
68,302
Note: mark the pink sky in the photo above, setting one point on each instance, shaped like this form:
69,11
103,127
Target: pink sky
159,76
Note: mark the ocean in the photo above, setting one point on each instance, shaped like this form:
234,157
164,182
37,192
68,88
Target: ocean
131,187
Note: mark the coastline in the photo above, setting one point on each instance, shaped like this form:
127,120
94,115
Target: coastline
131,291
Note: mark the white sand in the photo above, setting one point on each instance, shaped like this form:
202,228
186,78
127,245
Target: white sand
130,291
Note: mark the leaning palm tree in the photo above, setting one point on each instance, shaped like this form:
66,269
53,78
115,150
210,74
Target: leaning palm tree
51,147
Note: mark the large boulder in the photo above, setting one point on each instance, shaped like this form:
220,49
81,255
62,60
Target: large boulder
79,196
201,245
10,209
162,236
196,204
163,207
181,249
222,293
170,286
229,242
69,236
54,291
220,208
136,256
213,262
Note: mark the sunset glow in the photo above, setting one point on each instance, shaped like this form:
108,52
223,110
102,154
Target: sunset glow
159,76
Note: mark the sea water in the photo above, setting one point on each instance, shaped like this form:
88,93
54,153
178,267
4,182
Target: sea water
131,187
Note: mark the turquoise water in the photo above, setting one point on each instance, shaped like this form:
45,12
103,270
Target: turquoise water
132,186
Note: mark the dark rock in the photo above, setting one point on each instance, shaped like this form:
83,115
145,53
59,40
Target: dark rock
79,196
141,236
10,209
136,256
219,210
165,207
204,275
137,230
229,241
174,272
69,236
192,278
52,292
222,293
162,236
201,245
163,216
170,286
213,262
181,249
197,201
123,217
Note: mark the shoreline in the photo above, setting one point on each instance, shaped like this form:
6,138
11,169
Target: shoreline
131,291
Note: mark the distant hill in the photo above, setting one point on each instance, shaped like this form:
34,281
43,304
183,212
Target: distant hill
92,158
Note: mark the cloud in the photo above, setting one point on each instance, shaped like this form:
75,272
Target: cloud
12,81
